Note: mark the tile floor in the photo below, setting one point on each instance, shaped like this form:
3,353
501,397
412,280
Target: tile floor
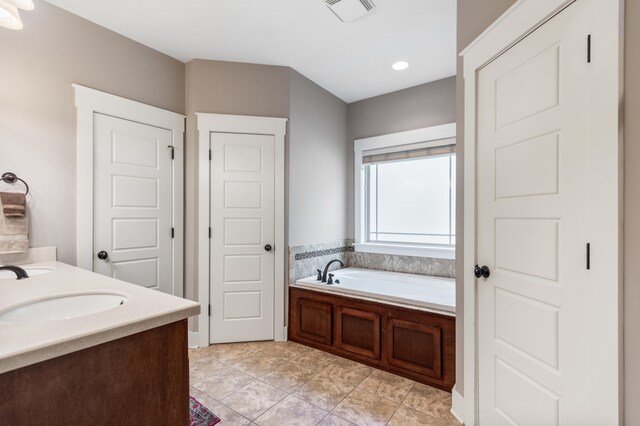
284,383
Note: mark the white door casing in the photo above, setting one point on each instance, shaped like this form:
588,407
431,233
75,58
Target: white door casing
132,202
92,104
569,120
242,225
242,126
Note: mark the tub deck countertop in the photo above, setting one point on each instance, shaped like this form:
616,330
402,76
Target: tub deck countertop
427,293
25,344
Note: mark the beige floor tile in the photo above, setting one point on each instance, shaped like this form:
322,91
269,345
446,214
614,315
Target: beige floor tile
259,364
201,369
291,411
349,374
365,409
333,420
318,359
230,353
197,353
431,401
222,383
254,399
260,345
289,377
287,349
338,360
203,360
387,385
323,392
224,413
319,381
405,416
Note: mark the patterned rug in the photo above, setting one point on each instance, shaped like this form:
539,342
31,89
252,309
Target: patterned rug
199,415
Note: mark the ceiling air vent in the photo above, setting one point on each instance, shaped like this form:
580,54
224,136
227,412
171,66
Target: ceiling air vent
350,10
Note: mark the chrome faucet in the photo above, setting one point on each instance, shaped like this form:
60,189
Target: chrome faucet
326,269
20,273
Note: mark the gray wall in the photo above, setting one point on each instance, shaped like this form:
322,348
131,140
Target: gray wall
429,104
37,113
318,164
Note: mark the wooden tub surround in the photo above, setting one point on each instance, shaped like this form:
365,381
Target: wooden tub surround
413,343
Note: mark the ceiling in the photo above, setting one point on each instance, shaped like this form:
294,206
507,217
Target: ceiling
351,60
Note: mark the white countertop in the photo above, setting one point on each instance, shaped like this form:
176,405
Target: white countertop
26,344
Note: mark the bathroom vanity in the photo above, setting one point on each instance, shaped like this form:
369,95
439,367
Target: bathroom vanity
80,348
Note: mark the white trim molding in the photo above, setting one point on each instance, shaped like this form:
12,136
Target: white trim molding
426,138
457,405
436,252
208,123
524,17
193,338
89,102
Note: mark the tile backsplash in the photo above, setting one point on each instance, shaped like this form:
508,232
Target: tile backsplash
34,255
445,268
305,260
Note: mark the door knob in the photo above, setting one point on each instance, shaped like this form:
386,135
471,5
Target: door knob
268,247
103,255
483,271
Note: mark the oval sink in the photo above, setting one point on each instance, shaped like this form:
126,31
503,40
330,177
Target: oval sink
32,272
62,307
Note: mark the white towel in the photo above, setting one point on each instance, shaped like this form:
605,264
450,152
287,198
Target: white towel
14,233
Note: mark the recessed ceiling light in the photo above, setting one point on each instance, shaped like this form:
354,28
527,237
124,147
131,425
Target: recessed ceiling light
400,65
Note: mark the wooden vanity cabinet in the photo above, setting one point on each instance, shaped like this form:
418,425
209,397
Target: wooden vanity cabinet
412,343
142,379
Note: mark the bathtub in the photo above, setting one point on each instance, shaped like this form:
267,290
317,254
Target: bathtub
416,291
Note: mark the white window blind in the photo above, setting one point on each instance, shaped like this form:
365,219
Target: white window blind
409,153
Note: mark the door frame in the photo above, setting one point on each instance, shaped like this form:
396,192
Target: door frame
223,123
514,25
88,102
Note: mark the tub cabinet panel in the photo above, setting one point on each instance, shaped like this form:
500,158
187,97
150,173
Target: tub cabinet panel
415,347
314,321
358,332
412,343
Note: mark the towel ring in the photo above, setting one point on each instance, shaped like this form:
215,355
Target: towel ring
12,178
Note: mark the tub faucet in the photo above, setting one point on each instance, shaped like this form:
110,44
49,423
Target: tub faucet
20,273
326,269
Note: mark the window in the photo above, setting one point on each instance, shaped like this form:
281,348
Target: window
406,194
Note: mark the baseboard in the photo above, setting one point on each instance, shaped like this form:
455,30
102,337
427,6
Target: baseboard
457,405
193,339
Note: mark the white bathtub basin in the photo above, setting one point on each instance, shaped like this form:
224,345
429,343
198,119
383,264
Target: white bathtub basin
431,293
32,272
61,307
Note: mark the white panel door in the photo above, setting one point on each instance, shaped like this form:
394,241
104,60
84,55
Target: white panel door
132,202
537,321
242,223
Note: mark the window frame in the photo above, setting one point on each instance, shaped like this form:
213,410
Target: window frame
425,137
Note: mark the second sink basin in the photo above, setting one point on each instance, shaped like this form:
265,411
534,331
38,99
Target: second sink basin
62,307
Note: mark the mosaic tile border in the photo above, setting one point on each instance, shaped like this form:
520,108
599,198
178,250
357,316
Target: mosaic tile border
326,252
